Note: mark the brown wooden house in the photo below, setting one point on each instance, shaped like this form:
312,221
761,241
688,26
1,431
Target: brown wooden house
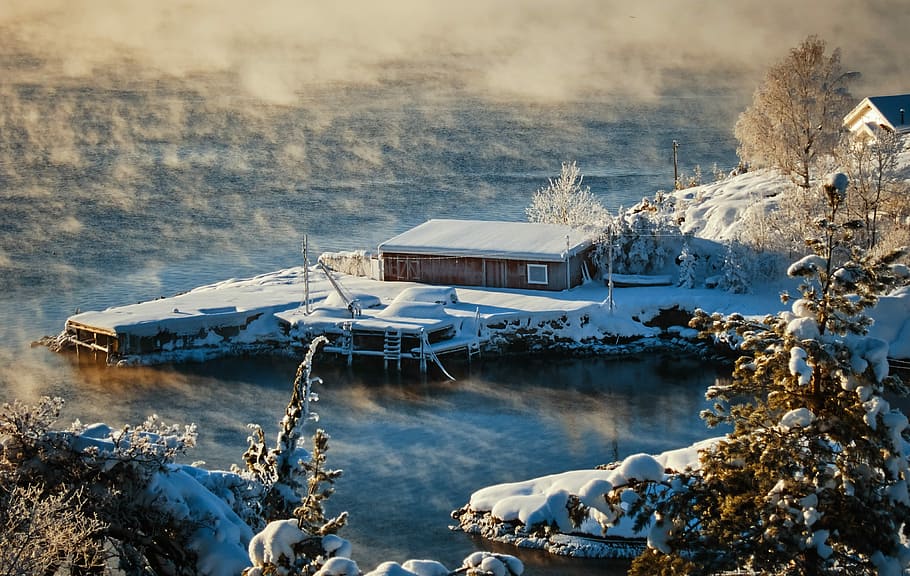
486,253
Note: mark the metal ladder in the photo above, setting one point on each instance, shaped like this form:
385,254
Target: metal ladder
474,344
391,349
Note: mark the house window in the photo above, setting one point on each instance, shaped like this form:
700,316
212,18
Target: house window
537,274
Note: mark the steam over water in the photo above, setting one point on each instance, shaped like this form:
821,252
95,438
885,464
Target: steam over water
115,195
111,196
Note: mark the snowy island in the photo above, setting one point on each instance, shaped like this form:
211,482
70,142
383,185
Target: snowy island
348,299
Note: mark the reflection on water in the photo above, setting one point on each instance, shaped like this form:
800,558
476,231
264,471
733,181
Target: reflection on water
413,451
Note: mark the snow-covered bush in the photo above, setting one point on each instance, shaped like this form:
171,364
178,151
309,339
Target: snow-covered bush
41,532
283,548
120,493
646,238
690,181
736,277
476,564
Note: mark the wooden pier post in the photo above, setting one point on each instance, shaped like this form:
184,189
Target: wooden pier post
423,353
349,332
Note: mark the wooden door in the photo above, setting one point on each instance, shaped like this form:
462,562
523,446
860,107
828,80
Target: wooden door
494,273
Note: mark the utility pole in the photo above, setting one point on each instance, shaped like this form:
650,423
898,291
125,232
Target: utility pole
610,303
675,165
306,276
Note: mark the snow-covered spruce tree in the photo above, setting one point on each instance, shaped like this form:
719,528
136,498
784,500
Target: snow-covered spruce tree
735,274
566,201
796,114
289,476
688,262
813,478
299,538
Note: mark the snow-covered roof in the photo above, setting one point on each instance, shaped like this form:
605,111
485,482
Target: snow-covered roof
490,239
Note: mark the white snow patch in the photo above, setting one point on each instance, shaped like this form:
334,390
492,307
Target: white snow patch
339,567
426,568
799,367
798,418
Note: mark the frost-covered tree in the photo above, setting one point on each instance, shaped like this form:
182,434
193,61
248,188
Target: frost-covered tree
567,201
876,187
796,113
813,478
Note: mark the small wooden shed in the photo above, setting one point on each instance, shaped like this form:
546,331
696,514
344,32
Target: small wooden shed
488,253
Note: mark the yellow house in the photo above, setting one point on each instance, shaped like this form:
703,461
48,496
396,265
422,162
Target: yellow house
875,113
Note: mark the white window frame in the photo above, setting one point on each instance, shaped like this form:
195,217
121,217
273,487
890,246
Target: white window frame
537,268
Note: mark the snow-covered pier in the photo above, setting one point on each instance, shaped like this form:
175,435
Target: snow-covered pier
402,322
394,321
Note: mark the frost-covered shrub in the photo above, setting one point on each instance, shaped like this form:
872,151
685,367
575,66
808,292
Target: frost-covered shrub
42,531
736,276
119,490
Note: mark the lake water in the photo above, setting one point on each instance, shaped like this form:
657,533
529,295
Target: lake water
111,196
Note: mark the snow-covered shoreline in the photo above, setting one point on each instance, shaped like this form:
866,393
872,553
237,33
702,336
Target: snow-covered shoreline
281,312
534,514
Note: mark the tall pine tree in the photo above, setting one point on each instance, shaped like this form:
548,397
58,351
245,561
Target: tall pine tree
813,478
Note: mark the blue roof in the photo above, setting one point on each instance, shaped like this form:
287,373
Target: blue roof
891,106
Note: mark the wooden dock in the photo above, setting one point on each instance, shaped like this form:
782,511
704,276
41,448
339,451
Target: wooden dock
397,341
91,339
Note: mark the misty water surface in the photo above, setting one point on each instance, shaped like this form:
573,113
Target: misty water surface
111,196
